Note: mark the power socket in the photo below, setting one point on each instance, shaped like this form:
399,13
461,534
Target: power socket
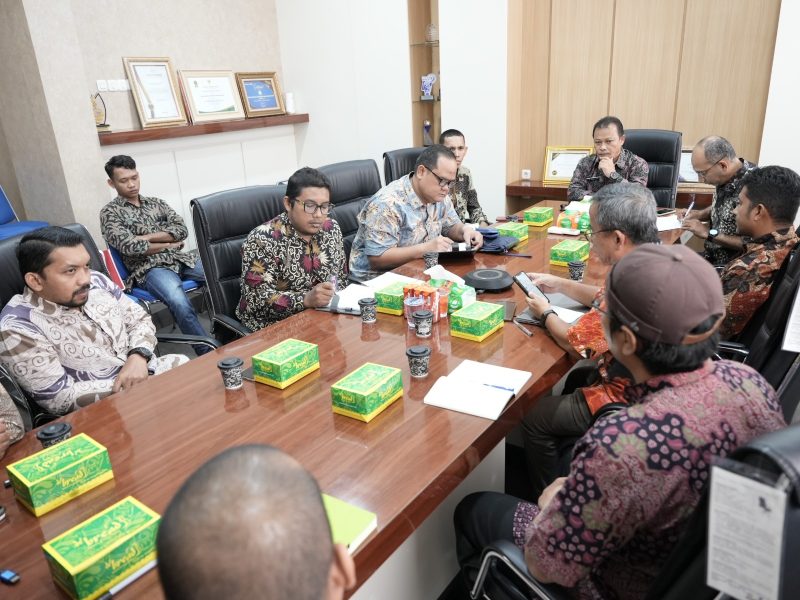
526,173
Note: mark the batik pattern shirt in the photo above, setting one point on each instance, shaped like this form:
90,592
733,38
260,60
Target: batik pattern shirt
121,223
588,177
465,198
395,217
587,338
279,267
722,217
746,281
66,358
638,474
10,416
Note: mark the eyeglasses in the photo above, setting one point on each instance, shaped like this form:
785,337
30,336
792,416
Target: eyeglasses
704,172
588,234
443,183
312,207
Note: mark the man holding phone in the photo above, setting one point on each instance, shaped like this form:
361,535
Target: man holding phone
623,217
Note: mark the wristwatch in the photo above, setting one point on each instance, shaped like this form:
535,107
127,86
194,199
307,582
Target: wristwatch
545,314
615,177
712,234
141,351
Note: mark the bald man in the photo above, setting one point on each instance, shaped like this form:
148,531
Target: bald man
250,524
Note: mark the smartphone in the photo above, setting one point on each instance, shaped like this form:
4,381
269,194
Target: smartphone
527,286
663,212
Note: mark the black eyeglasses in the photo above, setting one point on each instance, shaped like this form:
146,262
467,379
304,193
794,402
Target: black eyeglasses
588,234
312,207
443,183
704,172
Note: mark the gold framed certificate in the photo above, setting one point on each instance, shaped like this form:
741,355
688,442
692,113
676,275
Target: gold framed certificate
155,91
261,94
560,163
211,96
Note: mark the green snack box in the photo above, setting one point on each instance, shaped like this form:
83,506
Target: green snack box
390,298
56,475
538,216
367,391
92,557
283,364
567,251
460,295
517,230
477,321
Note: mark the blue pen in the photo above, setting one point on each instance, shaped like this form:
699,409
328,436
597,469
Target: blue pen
334,282
499,387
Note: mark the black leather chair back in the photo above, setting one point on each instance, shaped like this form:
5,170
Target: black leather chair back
397,163
662,151
222,221
352,184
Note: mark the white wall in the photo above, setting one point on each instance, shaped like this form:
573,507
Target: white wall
473,57
347,63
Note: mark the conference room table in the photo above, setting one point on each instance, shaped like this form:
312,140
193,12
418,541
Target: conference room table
400,466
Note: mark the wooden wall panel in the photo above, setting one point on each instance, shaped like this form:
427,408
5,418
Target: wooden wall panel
580,64
725,71
645,61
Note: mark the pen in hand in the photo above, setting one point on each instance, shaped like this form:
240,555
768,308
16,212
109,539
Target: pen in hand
688,210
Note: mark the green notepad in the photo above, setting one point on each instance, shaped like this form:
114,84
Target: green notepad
350,524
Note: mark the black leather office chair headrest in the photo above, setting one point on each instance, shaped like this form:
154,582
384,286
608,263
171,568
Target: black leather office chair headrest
397,163
352,180
778,452
662,151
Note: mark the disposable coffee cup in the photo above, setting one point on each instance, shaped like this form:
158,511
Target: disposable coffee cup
431,259
576,268
423,322
369,310
419,358
231,370
54,433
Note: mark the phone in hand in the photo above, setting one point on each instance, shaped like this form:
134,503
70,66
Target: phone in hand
663,212
527,286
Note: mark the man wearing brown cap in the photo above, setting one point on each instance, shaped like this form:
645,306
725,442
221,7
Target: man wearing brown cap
607,528
765,211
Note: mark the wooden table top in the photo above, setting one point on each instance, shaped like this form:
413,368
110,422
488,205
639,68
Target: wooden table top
400,466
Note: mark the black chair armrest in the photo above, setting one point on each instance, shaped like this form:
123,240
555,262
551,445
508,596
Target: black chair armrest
182,338
733,350
608,409
232,324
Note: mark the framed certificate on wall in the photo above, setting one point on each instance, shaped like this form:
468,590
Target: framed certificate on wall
560,163
155,91
261,94
211,96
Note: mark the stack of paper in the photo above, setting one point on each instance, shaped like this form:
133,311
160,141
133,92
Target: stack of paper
477,389
667,223
349,296
350,525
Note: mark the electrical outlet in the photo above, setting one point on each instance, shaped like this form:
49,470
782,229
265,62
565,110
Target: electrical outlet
526,173
102,85
113,85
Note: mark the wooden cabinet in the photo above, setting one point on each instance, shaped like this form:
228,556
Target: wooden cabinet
424,59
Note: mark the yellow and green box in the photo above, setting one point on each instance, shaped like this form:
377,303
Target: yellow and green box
517,230
92,557
283,364
56,475
367,391
538,216
567,251
477,321
390,298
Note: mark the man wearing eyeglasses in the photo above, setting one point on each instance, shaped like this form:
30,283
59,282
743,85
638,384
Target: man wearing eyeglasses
715,162
411,216
296,260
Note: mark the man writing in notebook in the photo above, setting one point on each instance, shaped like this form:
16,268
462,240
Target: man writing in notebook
623,217
250,523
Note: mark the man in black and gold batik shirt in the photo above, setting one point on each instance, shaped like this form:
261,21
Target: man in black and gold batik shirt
464,194
296,260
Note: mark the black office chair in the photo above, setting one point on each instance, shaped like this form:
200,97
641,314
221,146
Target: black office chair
222,221
352,184
397,163
662,151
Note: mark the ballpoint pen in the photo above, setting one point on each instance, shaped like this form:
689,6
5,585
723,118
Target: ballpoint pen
688,210
522,328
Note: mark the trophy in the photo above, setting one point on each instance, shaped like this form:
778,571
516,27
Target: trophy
427,140
99,109
427,86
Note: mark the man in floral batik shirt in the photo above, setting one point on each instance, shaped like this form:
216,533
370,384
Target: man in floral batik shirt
765,211
296,260
637,475
623,217
464,195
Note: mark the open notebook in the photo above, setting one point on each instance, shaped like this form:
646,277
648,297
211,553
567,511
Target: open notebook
477,389
350,525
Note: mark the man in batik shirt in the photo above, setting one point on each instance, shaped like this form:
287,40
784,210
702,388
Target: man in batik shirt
409,217
715,162
765,212
623,216
296,260
607,528
464,195
11,426
73,337
610,163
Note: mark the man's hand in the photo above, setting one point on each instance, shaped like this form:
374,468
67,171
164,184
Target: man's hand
157,236
698,228
472,237
549,284
318,296
439,244
550,492
5,439
606,165
537,304
134,371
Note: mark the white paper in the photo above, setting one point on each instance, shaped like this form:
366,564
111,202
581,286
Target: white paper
439,272
579,206
668,223
562,164
745,536
349,296
386,279
567,315
791,336
477,389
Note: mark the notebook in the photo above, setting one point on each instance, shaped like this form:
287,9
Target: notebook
350,525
